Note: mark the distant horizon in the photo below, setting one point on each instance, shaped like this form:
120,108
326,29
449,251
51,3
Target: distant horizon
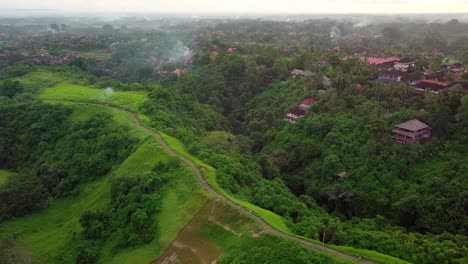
241,14
243,7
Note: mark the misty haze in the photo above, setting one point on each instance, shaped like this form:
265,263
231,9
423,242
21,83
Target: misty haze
301,131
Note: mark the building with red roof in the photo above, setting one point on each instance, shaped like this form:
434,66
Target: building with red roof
385,63
431,86
295,114
306,103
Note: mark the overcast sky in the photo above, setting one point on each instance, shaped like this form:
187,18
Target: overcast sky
246,6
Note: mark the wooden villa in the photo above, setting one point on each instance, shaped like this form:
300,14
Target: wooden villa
412,131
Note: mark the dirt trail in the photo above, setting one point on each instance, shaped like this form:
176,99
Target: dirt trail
266,227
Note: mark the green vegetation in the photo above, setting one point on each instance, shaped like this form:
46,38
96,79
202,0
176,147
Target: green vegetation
65,160
10,88
44,234
271,249
84,111
209,173
181,199
83,182
129,221
130,100
4,176
97,55
55,225
370,255
37,79
347,130
228,234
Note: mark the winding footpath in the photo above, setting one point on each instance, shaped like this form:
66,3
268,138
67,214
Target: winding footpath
266,228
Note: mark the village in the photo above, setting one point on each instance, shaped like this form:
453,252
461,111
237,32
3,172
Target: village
110,54
393,71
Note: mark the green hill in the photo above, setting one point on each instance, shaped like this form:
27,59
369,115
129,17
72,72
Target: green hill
53,235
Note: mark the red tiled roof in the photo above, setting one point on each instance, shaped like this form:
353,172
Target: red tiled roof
297,112
377,61
431,85
308,101
434,82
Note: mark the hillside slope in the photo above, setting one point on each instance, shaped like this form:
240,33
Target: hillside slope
51,235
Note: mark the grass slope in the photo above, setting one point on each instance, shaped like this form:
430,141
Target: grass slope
173,197
49,234
40,79
209,174
219,226
84,111
68,92
183,197
371,255
72,92
43,234
271,218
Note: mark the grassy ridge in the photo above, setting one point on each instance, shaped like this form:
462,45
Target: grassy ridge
49,233
269,217
209,174
368,254
143,253
83,111
128,99
183,197
41,79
